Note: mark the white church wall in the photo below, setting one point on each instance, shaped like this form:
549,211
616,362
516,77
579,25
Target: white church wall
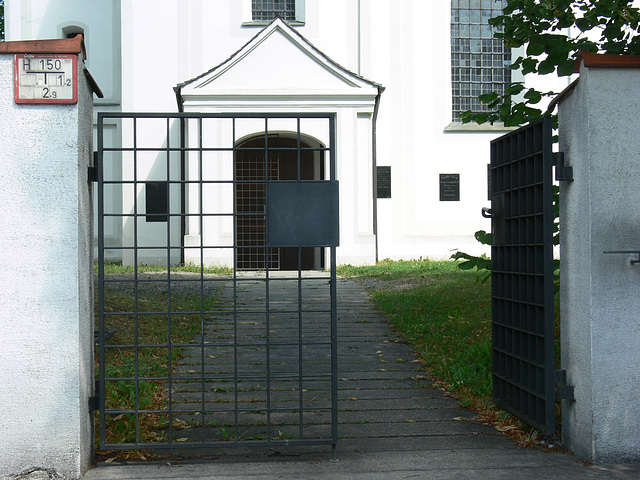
354,172
157,165
316,86
402,45
150,58
412,60
216,198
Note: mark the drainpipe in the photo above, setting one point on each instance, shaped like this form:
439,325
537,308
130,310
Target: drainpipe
183,173
374,155
359,39
179,99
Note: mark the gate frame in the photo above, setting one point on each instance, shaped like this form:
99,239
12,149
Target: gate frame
533,399
98,402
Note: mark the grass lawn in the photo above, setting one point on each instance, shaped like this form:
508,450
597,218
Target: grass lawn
128,361
118,268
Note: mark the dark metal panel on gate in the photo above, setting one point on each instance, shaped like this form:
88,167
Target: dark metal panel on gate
303,214
261,368
522,274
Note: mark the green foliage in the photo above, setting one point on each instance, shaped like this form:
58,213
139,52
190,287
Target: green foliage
481,264
394,269
608,26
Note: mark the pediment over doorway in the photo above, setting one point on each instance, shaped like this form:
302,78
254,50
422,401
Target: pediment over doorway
277,62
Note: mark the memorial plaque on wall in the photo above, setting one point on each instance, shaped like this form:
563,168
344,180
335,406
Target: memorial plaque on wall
449,187
384,182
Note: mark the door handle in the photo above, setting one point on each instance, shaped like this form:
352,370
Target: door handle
486,212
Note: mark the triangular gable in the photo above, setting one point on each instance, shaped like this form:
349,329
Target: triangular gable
278,61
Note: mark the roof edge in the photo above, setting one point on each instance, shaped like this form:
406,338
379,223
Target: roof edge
59,45
54,46
301,38
605,60
561,96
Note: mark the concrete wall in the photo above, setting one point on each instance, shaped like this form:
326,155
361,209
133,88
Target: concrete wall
46,319
600,305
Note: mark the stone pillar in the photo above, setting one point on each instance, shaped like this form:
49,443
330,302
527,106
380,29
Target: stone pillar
599,128
46,265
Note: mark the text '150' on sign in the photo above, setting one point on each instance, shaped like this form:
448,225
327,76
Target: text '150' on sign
41,78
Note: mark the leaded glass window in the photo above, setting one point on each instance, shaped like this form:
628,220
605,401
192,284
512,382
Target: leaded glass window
479,62
270,9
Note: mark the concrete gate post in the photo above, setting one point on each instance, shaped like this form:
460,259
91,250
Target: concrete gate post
46,293
599,128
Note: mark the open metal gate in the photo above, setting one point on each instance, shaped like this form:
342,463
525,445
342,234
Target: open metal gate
524,375
245,353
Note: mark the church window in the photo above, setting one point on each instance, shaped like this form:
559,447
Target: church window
479,62
269,9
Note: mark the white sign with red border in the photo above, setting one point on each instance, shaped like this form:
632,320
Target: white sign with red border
45,78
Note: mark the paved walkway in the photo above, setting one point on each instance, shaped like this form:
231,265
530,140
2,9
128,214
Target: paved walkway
392,425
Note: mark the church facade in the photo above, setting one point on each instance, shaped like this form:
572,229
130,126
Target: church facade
396,75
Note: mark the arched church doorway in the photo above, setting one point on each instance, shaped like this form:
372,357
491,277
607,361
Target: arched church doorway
289,159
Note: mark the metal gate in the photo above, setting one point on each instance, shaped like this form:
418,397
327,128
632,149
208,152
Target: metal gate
524,374
203,339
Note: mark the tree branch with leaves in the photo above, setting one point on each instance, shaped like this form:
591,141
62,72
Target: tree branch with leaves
552,33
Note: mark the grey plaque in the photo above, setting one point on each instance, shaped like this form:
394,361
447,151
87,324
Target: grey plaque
449,187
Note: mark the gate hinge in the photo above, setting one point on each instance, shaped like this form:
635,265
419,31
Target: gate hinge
92,171
564,173
94,401
563,391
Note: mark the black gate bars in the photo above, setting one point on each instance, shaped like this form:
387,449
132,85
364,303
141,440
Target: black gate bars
524,375
243,354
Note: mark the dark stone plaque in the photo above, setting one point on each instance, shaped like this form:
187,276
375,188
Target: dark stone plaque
384,182
156,197
449,187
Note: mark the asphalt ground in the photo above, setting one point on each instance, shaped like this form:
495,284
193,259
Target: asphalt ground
393,423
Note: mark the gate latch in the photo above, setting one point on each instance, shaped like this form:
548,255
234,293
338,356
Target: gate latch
629,252
563,391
